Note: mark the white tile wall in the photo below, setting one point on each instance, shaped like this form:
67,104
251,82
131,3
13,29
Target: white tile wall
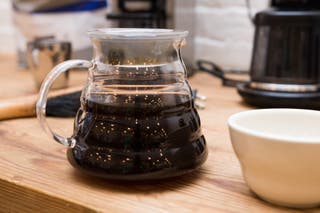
222,31
219,30
6,28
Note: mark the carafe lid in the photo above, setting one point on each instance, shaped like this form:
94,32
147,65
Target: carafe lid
136,33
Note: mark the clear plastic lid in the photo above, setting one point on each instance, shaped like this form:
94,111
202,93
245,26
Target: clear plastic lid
136,33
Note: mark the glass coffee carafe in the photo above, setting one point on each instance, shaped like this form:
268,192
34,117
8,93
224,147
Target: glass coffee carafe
137,118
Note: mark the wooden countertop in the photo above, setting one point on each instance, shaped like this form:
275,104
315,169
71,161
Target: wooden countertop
36,177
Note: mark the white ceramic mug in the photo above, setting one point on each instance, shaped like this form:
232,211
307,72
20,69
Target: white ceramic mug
279,153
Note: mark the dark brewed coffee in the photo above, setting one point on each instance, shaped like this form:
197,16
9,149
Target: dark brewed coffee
141,136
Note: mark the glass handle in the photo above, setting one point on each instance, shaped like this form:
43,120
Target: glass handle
42,99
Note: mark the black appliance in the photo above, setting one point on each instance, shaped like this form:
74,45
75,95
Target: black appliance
285,68
152,14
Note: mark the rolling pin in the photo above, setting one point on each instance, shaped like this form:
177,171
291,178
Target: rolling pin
61,103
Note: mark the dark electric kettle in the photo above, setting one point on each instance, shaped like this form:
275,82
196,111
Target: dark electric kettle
285,67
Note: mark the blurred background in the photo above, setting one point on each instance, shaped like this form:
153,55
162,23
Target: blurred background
220,30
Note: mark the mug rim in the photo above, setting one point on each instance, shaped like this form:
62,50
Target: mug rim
233,125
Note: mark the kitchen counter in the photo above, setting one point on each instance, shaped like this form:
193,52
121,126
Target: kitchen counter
35,175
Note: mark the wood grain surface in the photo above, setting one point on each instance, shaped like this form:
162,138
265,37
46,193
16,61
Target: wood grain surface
36,177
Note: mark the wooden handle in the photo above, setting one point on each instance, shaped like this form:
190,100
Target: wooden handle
18,108
25,106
